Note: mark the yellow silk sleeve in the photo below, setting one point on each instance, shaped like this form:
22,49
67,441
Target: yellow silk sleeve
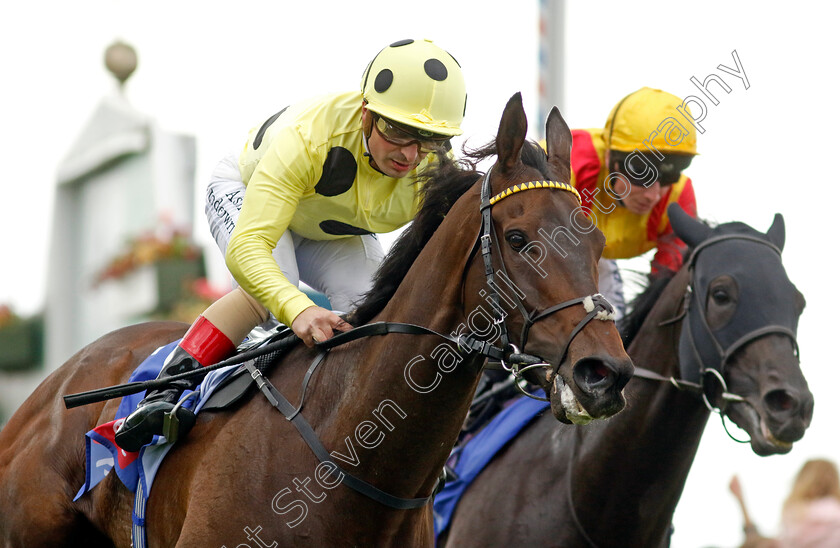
285,173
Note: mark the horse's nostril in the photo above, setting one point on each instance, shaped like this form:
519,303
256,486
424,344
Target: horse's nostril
779,400
600,371
590,372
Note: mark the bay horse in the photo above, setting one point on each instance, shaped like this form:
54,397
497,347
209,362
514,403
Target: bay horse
719,335
474,266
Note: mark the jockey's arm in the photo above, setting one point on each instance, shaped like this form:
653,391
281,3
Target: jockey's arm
271,199
668,256
669,248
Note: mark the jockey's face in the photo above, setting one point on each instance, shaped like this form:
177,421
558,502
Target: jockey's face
639,195
640,199
391,159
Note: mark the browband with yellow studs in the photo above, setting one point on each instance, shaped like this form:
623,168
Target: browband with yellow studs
534,184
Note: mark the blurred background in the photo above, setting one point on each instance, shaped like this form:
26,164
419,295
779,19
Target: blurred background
105,167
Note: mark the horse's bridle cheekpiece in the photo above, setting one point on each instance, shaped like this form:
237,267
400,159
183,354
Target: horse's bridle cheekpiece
702,357
596,306
708,357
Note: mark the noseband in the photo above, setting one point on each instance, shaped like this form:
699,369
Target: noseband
596,306
711,368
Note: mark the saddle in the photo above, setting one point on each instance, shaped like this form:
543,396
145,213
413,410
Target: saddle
239,385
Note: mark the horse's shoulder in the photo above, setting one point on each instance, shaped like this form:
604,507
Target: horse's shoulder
151,332
130,344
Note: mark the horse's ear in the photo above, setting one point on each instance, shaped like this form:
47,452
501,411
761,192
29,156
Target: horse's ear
776,234
558,144
689,229
511,135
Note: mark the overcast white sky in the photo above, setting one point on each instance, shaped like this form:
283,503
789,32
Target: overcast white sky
214,69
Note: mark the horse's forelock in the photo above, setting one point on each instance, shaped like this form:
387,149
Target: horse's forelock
534,156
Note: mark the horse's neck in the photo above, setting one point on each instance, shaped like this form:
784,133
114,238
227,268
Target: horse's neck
652,443
404,384
627,471
679,414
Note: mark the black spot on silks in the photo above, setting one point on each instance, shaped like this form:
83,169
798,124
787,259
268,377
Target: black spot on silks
337,228
383,80
339,173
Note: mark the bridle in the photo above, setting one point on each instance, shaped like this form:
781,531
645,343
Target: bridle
708,355
710,363
596,306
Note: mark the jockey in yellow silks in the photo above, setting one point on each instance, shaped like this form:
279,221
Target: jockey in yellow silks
303,202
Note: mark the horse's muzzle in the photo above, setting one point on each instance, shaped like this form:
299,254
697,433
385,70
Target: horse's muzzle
787,413
600,382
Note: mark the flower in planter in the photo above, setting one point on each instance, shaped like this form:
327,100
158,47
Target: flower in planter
150,248
21,340
7,316
199,295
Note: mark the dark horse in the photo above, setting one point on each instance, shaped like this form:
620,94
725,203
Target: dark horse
618,482
389,407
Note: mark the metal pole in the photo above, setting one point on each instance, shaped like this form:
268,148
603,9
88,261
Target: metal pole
551,58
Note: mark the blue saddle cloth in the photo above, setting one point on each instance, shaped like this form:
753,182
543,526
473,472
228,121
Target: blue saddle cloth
470,459
137,470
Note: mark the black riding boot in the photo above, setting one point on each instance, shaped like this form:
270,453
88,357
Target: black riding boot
140,426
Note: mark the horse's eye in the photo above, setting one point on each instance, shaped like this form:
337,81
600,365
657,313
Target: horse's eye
722,301
721,297
516,240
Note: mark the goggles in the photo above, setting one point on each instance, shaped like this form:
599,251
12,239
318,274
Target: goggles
644,169
403,136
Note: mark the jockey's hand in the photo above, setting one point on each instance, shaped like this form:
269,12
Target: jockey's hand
316,324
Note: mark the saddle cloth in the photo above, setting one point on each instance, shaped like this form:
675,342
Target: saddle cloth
102,454
469,460
137,470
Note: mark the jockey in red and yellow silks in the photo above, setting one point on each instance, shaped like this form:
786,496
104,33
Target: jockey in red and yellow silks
627,174
628,234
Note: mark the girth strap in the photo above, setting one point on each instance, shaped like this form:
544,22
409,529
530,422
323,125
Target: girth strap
291,413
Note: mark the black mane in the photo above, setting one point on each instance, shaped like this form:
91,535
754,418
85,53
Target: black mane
641,306
440,187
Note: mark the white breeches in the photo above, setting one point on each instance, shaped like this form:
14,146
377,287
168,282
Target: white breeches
341,269
611,286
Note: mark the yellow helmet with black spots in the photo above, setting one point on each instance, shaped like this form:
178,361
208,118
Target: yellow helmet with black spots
416,83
